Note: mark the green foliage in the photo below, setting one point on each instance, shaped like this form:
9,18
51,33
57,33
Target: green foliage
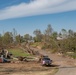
53,50
0,40
49,30
18,39
27,37
36,44
68,44
7,39
38,35
46,40
44,47
54,35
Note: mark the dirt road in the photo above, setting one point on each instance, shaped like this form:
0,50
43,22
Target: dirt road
26,68
67,66
67,71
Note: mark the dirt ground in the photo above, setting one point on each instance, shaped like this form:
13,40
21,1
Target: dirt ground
35,68
25,68
66,65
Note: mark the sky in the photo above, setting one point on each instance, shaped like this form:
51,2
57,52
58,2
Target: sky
28,15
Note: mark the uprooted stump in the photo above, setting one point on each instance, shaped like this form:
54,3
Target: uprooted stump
22,58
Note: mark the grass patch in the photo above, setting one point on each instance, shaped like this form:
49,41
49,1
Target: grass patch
18,52
73,55
36,44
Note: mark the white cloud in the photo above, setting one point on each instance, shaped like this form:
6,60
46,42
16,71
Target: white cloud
37,7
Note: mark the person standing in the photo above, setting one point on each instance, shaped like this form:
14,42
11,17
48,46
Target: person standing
6,53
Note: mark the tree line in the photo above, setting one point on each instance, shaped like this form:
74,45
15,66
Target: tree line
9,39
63,41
